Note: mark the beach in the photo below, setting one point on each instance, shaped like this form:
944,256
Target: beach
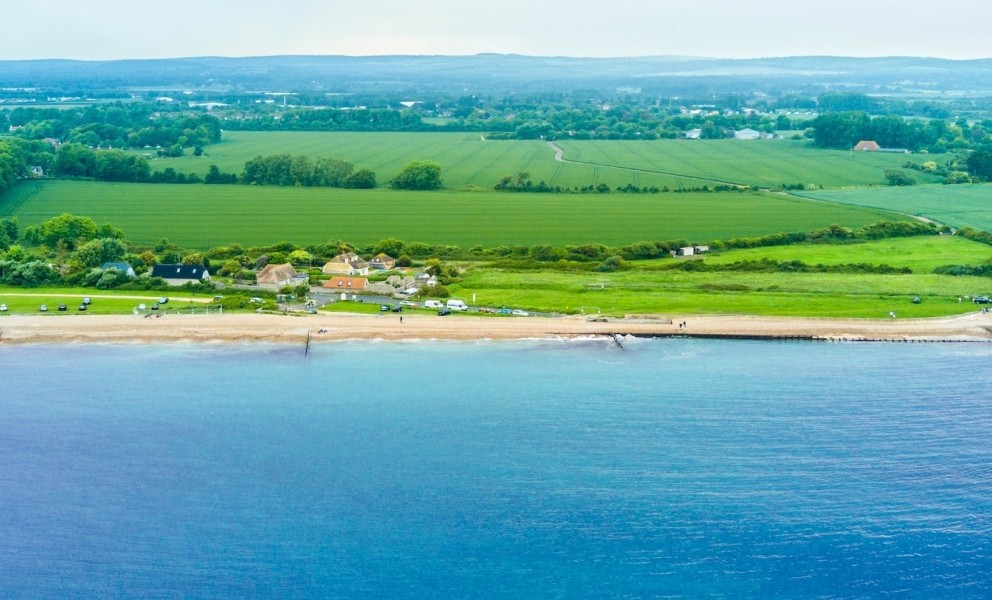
17,329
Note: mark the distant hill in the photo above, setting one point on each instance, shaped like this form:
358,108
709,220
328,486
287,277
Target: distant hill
495,73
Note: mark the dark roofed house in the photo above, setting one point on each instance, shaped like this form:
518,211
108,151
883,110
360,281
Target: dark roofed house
181,274
120,267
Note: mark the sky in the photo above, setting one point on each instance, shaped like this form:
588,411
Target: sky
113,29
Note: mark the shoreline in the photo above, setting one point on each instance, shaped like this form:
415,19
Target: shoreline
251,327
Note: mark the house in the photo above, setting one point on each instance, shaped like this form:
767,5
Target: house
36,171
693,134
275,277
866,146
348,263
382,262
120,267
346,284
181,274
747,134
400,283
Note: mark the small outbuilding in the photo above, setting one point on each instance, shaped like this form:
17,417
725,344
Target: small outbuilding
693,134
747,134
120,266
867,146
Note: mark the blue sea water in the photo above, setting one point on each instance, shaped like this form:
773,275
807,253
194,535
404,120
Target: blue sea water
674,469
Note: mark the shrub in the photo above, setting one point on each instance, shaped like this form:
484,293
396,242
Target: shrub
612,263
418,175
898,177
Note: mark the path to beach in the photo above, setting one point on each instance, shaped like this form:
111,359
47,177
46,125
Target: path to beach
284,328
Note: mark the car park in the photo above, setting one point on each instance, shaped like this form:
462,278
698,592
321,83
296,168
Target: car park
63,308
444,312
3,308
44,308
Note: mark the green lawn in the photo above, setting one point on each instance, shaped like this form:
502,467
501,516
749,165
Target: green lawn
922,254
466,159
955,205
785,294
199,216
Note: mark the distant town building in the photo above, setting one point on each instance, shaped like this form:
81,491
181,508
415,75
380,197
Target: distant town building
36,171
747,134
693,134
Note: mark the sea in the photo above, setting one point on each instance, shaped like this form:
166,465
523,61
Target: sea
535,469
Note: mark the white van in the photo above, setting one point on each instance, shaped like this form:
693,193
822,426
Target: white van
433,304
457,305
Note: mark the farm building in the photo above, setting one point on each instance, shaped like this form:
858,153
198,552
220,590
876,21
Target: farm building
693,134
120,267
346,284
866,146
747,134
181,274
278,276
348,263
382,262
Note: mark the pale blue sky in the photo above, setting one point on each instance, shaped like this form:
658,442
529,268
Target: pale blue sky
103,29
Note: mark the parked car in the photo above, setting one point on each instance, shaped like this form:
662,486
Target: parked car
409,303
82,307
521,313
3,308
505,311
385,308
981,300
456,305
154,305
215,298
444,312
63,308
142,307
487,310
163,300
87,301
433,304
44,308
916,300
397,308
257,301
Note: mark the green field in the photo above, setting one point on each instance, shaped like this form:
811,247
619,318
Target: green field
955,205
922,254
468,160
674,292
200,216
29,300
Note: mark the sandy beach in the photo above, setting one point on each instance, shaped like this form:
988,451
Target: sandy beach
18,329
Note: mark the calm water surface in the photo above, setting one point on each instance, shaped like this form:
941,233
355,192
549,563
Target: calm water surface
497,470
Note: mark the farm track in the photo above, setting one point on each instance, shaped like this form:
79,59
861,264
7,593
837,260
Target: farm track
560,157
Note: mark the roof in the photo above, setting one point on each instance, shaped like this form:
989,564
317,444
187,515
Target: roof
120,266
350,258
381,257
179,271
867,146
347,283
276,273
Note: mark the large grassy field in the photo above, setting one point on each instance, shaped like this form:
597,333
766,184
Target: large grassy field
955,205
922,254
758,163
468,160
198,216
784,294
